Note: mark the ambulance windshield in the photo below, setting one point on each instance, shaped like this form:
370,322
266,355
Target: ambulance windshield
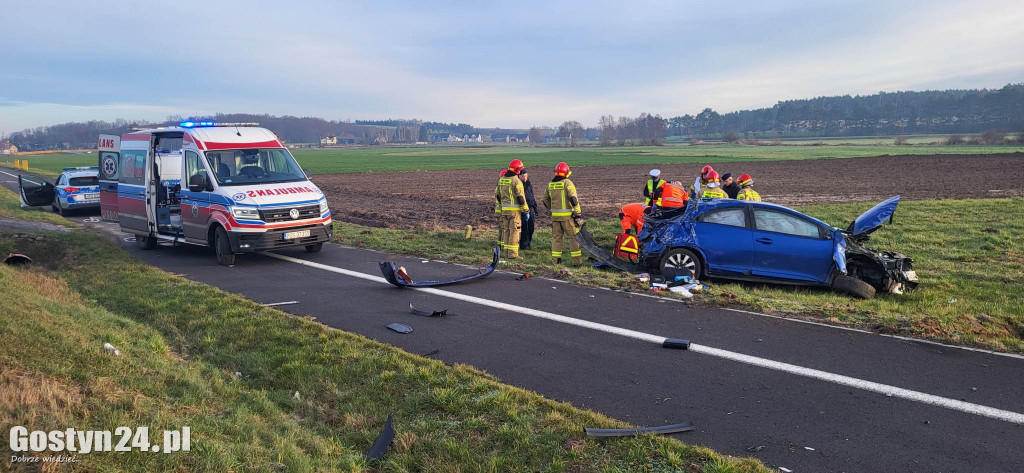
238,167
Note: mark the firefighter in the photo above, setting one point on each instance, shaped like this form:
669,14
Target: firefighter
631,217
747,191
712,188
566,215
526,237
653,184
699,182
510,206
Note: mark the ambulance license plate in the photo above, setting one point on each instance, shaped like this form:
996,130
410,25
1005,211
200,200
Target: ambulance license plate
294,235
90,196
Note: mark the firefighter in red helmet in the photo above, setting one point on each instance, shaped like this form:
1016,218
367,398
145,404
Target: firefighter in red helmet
510,207
747,191
701,181
561,199
712,189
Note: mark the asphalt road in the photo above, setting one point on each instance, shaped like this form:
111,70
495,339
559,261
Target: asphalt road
787,420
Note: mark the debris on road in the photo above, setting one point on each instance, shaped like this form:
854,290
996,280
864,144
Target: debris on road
424,313
564,272
523,277
380,446
110,349
785,470
664,429
17,259
755,448
432,352
275,304
398,276
400,328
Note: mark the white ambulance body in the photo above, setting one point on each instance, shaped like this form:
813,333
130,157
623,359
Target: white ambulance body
233,187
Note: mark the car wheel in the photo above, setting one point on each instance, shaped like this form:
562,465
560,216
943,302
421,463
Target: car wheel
57,207
315,247
853,286
222,246
680,259
145,242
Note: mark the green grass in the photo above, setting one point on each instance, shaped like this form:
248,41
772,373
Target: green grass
51,164
969,250
10,206
182,343
496,157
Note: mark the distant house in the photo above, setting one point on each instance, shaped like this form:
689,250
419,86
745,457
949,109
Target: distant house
499,137
473,138
6,147
519,138
330,140
445,138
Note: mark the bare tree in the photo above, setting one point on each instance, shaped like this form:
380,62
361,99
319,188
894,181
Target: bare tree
571,132
535,136
607,126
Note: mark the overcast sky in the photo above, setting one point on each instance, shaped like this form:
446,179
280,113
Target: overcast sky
512,64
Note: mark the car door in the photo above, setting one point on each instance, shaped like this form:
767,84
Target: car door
132,208
35,192
724,237
195,204
789,246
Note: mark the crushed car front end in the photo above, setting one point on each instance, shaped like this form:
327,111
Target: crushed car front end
886,271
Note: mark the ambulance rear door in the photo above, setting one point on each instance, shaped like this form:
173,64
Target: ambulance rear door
109,151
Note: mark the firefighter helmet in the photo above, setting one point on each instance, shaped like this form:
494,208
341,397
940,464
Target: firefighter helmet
562,170
707,169
515,166
745,180
712,178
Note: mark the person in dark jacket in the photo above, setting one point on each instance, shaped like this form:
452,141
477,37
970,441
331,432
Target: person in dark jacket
526,234
730,186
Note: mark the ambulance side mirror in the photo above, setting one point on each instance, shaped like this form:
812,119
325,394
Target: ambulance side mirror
199,183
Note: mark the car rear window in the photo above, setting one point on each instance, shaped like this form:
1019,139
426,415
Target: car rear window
84,181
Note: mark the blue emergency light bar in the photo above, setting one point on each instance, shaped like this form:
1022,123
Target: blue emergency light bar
192,124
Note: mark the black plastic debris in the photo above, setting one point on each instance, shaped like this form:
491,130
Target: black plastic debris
17,259
398,276
664,429
380,446
586,240
425,313
400,328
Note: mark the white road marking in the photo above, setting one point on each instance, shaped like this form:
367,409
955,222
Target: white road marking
939,401
275,304
23,178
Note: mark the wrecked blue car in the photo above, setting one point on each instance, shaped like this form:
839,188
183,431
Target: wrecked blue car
758,241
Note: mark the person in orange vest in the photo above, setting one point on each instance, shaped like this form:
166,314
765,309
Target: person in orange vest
510,207
631,217
746,190
566,213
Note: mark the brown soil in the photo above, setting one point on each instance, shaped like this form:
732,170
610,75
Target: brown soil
455,199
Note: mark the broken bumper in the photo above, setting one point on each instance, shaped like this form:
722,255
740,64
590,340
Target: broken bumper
397,277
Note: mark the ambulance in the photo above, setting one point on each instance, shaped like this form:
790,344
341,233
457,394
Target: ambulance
230,186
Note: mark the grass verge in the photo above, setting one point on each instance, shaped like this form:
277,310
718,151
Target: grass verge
10,206
969,255
182,343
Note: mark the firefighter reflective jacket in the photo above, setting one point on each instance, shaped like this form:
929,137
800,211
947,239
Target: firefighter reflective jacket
673,197
509,196
650,190
561,199
708,193
748,193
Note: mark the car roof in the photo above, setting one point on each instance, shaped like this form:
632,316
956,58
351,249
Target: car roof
82,173
703,206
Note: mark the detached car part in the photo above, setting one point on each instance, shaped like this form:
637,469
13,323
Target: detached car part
380,446
425,313
397,276
664,429
586,240
400,328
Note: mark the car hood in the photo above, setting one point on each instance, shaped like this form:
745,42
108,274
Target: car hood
872,219
285,193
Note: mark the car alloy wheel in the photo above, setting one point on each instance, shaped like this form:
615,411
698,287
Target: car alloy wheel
681,261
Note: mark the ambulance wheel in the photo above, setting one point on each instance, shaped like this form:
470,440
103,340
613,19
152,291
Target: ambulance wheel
681,260
315,247
145,242
222,247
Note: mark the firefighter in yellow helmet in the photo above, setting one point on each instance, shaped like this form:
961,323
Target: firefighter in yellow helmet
712,188
747,191
566,214
510,206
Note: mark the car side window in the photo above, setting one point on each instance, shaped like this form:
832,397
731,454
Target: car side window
735,217
780,222
194,166
63,180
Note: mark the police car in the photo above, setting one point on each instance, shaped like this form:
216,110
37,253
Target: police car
77,188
